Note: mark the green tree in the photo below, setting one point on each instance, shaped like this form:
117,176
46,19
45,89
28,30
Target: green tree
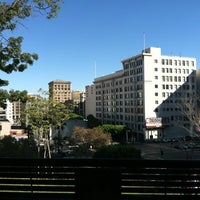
42,114
118,132
12,95
12,14
87,138
3,97
92,121
15,95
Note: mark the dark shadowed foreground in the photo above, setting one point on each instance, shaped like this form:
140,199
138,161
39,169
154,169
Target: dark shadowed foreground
95,179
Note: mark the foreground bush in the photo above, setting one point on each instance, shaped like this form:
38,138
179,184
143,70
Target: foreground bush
118,151
23,148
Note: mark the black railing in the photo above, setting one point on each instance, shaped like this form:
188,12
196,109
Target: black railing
95,179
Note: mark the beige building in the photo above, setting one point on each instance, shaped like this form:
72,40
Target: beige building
5,128
76,96
17,109
90,100
60,90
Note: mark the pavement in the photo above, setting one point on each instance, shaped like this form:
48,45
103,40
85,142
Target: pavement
166,151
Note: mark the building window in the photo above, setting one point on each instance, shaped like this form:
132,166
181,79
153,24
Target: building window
156,86
192,63
156,94
155,69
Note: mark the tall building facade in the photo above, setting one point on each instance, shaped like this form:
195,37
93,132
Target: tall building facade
60,90
17,110
7,113
90,100
144,93
76,96
78,99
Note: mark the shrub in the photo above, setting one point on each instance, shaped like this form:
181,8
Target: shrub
118,151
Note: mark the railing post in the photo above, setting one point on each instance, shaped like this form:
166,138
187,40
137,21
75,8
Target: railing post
98,184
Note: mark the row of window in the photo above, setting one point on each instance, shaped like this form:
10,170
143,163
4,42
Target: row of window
120,96
176,62
183,79
171,87
133,71
120,90
121,82
133,63
176,94
140,78
121,117
140,119
175,70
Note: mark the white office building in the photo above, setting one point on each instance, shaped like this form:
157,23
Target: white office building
143,95
7,113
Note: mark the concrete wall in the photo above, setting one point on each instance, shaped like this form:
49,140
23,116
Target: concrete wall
5,127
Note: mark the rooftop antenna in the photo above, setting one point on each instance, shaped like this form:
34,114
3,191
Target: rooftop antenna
144,39
95,69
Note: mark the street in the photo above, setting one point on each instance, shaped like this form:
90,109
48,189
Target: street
166,151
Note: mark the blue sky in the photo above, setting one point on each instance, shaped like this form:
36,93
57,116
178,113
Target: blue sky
102,33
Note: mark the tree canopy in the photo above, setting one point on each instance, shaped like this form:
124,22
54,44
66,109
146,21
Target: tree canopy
118,132
188,110
92,121
41,114
12,14
12,95
90,137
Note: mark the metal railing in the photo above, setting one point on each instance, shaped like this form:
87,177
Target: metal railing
94,179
